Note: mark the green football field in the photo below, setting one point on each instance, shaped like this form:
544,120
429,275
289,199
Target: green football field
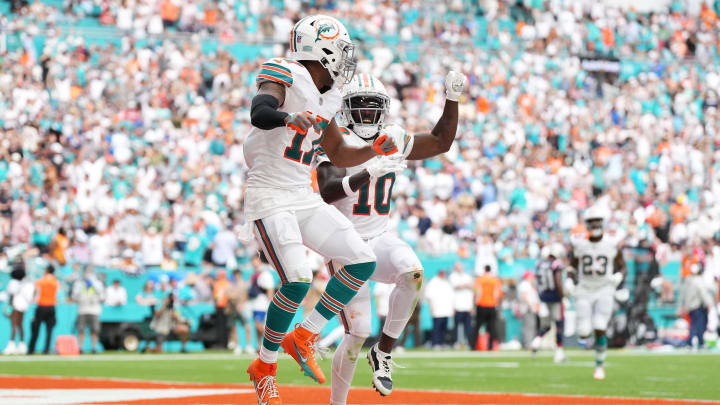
629,374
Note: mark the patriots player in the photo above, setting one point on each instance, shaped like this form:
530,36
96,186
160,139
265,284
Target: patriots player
598,269
292,112
550,289
362,193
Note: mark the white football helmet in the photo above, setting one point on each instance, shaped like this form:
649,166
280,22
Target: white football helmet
365,106
595,218
326,40
557,250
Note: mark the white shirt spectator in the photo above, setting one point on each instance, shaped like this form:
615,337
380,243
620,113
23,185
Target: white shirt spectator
462,284
152,248
116,295
22,294
101,249
224,245
439,294
528,295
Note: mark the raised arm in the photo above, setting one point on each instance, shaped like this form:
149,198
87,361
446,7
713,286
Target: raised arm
441,137
344,155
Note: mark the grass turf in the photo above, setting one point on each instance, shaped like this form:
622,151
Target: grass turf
680,376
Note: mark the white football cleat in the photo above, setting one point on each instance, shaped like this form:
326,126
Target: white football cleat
250,350
381,365
10,348
559,356
21,348
237,350
535,345
599,373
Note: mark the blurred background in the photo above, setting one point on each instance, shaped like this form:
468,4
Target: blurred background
121,167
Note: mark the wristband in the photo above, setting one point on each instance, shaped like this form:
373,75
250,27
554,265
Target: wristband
346,186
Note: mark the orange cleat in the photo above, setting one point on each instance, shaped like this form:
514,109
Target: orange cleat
299,343
263,377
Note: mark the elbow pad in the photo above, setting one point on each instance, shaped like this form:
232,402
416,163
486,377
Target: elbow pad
264,113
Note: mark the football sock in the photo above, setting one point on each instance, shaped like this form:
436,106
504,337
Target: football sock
600,348
403,299
279,315
343,368
559,330
341,288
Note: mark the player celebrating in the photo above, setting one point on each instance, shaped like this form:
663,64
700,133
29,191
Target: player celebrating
549,278
599,268
362,193
296,101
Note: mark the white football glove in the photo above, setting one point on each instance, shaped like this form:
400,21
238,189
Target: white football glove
616,278
568,287
383,165
622,295
454,85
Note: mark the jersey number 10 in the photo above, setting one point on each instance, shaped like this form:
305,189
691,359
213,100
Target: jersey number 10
382,205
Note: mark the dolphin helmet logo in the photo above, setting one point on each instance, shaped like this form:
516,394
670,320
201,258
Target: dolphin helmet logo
326,29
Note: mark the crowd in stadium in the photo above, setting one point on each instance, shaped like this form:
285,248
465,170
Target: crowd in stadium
131,156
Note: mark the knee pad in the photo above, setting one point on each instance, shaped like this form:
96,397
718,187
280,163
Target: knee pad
412,279
352,345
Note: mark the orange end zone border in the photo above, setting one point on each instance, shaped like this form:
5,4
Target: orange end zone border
297,395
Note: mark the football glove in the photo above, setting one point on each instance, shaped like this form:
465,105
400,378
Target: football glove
454,85
383,165
384,145
301,121
616,278
622,295
568,287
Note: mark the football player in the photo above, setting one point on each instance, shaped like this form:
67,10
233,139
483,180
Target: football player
362,193
292,112
598,269
550,288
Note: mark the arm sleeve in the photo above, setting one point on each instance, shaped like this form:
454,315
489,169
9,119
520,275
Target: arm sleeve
264,113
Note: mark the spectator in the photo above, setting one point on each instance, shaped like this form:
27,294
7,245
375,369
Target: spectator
462,284
439,294
262,290
221,301
238,310
20,290
88,293
128,264
695,301
223,248
58,247
147,296
488,292
116,295
167,320
152,248
527,308
46,288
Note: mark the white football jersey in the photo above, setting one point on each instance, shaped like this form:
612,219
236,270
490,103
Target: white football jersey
596,260
369,207
280,158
